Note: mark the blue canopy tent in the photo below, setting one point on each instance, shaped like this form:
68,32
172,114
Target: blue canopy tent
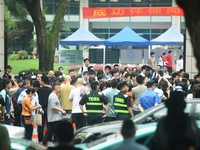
170,37
126,37
82,37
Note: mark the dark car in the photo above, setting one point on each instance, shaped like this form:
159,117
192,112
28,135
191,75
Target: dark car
91,133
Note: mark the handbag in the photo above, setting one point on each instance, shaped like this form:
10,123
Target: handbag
38,119
28,121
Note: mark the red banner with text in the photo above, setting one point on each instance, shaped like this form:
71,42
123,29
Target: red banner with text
92,13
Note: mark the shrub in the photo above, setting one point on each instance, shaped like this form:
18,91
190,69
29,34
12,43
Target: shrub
22,54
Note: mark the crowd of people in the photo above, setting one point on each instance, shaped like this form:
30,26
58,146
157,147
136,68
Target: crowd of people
88,96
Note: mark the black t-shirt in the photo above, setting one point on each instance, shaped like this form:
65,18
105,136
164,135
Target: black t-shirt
102,97
43,95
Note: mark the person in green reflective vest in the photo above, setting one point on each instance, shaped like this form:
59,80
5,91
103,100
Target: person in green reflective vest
94,101
122,103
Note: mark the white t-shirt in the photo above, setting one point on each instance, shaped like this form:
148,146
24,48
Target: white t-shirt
179,64
82,70
75,97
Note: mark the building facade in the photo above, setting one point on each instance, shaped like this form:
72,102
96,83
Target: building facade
148,27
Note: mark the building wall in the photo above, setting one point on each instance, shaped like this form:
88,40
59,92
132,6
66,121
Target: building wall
1,36
148,27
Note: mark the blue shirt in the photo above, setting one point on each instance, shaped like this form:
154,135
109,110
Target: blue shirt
148,99
110,93
130,144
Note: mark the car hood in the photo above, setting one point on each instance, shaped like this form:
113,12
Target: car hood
15,132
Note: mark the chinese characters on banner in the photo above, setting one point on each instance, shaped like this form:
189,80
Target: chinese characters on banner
92,13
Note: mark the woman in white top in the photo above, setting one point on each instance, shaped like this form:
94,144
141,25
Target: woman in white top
179,63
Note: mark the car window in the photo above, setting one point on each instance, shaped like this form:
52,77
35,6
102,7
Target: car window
156,116
188,108
197,112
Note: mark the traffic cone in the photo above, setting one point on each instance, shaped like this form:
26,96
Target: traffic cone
35,134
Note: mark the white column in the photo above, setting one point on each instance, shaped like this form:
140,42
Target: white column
84,22
189,58
1,37
176,20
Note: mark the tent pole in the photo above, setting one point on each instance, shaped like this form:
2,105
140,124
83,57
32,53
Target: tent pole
104,55
149,51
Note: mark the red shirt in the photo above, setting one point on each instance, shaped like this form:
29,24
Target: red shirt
169,59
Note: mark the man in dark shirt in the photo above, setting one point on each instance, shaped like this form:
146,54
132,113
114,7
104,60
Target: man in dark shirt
94,108
43,95
64,133
2,109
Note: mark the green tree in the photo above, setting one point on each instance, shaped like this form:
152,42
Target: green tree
15,22
9,19
46,39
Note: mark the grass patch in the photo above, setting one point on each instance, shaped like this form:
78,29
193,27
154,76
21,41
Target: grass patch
27,64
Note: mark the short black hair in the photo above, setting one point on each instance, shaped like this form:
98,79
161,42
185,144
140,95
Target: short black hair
71,70
174,75
64,131
100,72
140,79
30,90
92,72
114,71
60,67
116,65
94,85
108,83
128,129
181,70
100,77
144,67
169,52
36,84
61,79
8,67
114,83
152,53
55,85
85,72
186,75
45,79
84,60
107,67
163,53
73,80
133,74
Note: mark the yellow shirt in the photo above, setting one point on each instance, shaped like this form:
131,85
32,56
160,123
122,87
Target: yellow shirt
66,104
27,107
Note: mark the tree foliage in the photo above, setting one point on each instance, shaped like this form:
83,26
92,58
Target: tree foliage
46,39
9,19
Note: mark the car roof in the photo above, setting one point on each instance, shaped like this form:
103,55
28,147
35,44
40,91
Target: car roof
142,131
114,126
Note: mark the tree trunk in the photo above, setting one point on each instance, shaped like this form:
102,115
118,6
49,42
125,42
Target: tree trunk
53,35
46,40
192,20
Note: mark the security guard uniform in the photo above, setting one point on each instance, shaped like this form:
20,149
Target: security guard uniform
93,101
121,102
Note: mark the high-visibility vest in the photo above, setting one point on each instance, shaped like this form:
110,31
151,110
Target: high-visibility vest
94,104
120,103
